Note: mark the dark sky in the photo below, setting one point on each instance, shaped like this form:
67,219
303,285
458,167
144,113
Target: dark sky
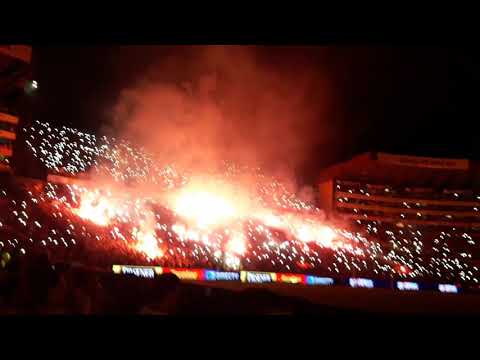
419,101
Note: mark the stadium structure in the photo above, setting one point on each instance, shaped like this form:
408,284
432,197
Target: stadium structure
412,218
420,217
431,201
15,82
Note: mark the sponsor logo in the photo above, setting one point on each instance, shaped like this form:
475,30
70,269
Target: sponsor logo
187,274
407,285
291,278
148,273
117,269
360,282
316,280
448,288
257,277
212,275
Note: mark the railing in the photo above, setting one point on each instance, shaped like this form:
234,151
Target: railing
394,210
391,199
462,224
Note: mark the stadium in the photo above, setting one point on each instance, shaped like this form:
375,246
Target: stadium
14,80
106,206
414,204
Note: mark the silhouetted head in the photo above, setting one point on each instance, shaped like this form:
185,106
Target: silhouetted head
168,282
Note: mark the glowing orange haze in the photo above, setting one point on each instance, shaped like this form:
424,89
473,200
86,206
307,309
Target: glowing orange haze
204,209
147,243
207,205
204,206
99,210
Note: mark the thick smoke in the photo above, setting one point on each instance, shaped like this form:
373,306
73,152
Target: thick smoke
215,103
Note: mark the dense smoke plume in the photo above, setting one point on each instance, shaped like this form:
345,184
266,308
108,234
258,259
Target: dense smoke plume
207,104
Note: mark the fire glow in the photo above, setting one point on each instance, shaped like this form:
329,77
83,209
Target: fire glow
225,215
95,208
202,208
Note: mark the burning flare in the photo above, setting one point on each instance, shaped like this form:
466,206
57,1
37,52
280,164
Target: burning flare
147,242
95,208
206,205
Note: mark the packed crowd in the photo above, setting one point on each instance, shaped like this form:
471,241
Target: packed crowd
428,193
281,233
31,224
437,248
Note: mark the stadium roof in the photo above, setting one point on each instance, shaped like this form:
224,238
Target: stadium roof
388,169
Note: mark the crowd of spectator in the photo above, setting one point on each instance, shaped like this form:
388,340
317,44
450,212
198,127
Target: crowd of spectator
31,225
33,284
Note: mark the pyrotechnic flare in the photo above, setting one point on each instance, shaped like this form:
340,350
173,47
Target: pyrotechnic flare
230,218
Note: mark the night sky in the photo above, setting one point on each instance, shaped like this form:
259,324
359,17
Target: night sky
418,101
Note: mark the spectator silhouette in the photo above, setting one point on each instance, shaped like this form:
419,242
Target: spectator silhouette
41,277
168,294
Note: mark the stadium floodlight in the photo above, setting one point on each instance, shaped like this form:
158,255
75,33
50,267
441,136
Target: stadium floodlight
31,87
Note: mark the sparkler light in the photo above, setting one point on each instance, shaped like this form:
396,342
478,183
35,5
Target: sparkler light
96,209
230,218
148,244
237,245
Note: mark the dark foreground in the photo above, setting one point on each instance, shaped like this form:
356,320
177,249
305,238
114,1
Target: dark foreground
350,301
46,289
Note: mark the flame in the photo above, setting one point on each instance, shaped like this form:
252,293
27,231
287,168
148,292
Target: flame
147,243
321,234
221,207
179,230
237,245
95,208
188,234
303,228
271,220
326,236
204,208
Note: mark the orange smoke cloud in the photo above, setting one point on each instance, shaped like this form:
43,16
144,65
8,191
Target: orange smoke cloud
214,103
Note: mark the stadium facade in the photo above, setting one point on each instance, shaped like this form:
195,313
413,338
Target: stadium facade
403,190
15,82
433,201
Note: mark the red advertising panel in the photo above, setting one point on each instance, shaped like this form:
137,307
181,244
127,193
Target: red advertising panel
186,274
291,278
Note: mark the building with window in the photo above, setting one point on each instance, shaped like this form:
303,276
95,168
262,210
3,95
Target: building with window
427,203
15,82
403,190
